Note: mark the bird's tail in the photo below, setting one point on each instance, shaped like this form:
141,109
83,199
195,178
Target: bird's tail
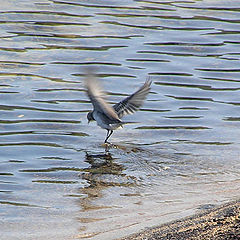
124,122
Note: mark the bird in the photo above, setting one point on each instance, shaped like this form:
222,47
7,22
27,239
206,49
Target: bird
109,117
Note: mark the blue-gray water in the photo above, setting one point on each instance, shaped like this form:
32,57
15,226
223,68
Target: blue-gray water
183,154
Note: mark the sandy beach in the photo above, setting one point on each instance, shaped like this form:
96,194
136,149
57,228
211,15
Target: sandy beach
222,222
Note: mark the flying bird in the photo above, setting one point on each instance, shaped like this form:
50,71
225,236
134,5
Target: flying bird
109,117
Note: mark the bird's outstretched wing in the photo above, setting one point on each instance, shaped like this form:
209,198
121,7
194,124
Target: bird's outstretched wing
132,103
97,95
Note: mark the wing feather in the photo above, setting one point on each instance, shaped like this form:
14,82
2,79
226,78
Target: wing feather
132,103
97,97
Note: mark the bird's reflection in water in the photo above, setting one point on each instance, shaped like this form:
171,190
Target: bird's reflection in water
102,173
102,163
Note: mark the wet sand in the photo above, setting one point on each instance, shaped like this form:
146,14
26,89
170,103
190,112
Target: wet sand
222,222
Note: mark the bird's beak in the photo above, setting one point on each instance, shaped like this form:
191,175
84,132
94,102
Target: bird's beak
88,121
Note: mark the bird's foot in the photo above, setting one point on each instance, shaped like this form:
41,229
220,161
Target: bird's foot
109,145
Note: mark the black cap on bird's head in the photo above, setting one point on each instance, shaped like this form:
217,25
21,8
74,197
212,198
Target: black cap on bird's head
90,117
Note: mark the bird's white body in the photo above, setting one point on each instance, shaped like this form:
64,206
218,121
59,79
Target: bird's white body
101,123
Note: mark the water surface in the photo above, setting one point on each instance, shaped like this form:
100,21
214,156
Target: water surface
182,155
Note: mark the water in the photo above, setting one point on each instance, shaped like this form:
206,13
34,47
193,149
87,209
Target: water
56,182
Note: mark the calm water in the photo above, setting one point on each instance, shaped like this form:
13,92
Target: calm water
56,182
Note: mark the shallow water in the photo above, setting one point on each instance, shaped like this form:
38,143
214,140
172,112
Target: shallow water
182,155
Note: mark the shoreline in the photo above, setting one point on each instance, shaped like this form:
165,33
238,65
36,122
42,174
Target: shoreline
222,222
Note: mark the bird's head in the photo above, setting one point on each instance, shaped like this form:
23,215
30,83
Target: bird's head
90,117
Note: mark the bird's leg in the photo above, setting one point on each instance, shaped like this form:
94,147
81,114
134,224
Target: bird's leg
108,135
